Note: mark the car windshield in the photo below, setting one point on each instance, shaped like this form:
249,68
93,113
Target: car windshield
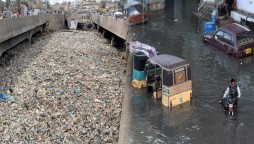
245,38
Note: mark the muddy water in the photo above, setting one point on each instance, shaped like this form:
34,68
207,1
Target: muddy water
177,31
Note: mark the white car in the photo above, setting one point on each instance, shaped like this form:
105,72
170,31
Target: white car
118,15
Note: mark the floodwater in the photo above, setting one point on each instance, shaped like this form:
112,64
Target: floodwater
203,120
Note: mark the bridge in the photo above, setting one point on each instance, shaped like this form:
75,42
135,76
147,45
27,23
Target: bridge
117,27
16,30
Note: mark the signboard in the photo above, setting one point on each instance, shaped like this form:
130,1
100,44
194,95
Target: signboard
180,75
165,90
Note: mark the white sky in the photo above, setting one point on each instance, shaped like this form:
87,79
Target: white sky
54,1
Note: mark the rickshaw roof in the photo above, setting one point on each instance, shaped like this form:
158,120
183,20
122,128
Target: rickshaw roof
168,61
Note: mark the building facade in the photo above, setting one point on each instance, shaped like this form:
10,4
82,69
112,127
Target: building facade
244,9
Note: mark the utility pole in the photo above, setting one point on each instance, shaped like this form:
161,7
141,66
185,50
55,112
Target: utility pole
216,7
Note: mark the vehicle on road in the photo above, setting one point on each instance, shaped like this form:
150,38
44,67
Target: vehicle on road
233,38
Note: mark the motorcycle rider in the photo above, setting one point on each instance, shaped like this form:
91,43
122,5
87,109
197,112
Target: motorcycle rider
233,91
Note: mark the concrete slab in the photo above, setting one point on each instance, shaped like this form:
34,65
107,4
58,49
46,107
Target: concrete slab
237,15
12,27
116,26
15,30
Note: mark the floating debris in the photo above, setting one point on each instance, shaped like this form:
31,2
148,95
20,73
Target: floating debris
64,88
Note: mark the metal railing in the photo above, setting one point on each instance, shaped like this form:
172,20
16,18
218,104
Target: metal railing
204,9
201,5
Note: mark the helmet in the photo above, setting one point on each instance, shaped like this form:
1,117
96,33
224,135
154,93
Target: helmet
232,80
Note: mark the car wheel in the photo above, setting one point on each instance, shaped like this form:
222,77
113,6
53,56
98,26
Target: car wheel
206,43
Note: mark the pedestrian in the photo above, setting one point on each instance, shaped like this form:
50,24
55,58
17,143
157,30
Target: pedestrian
22,9
25,10
226,7
221,8
230,5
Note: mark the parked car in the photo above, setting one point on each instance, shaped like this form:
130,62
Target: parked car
118,15
233,38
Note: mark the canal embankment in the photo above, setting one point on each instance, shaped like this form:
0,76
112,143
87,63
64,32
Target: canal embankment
15,30
66,87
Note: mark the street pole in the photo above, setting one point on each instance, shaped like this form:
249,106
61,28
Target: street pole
216,7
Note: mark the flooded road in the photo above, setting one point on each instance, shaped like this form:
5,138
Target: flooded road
176,31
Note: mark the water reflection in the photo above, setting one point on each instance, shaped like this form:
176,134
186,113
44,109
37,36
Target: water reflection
176,115
204,121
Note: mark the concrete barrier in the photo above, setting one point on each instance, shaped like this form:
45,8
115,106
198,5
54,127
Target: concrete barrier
56,22
15,30
116,26
12,27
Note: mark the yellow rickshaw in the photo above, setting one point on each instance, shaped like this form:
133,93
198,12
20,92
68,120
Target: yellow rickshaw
170,79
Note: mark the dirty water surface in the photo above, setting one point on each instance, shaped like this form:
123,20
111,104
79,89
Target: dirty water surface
177,31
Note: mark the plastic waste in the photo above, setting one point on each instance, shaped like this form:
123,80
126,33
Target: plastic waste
4,97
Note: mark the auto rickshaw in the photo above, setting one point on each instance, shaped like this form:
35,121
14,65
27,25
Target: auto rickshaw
139,61
140,54
170,79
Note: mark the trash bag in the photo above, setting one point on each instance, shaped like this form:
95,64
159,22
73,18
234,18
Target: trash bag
4,97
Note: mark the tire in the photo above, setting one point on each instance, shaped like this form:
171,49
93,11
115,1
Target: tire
205,42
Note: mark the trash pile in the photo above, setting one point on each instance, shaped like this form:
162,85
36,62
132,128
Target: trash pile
79,21
65,88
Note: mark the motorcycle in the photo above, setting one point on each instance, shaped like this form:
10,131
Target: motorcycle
230,105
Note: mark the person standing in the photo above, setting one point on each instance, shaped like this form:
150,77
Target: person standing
230,5
22,9
25,10
226,6
221,8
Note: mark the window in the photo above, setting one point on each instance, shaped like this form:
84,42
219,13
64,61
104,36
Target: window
227,36
180,75
167,78
219,35
228,39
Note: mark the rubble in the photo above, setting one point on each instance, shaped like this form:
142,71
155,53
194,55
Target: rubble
65,88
